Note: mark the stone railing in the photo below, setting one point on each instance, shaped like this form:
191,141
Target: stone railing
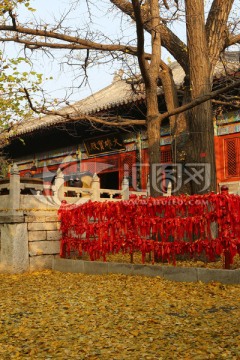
30,193
19,193
95,192
233,187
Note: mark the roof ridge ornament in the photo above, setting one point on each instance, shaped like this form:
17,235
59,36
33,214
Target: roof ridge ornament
118,75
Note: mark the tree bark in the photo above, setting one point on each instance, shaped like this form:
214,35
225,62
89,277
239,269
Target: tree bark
201,117
150,74
217,30
153,133
153,123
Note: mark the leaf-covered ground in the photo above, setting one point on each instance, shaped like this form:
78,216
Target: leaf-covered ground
52,315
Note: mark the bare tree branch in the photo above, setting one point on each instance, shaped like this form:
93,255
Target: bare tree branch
227,103
232,40
166,4
216,28
140,41
76,42
170,41
200,100
13,18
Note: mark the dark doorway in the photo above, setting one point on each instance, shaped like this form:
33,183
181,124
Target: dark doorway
109,180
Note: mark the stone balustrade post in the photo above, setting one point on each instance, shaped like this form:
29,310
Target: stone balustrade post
169,189
95,186
58,191
14,188
14,239
148,186
125,189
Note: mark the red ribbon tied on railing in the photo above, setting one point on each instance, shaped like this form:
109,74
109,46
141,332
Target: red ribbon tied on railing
165,226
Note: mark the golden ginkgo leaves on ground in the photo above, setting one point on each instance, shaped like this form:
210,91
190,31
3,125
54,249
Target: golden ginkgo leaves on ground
51,315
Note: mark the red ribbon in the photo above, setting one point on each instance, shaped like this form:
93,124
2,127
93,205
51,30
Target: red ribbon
165,226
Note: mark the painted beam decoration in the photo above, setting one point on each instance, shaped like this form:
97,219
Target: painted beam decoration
228,118
104,144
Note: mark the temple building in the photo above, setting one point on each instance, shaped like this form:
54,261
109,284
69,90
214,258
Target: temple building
41,146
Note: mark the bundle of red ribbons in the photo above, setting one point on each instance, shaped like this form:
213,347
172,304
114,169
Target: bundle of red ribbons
164,226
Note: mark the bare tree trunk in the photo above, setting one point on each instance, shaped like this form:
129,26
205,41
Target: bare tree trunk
170,92
154,137
217,29
150,74
179,130
201,117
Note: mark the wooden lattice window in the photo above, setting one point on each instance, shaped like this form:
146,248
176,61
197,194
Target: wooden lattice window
232,157
129,168
166,156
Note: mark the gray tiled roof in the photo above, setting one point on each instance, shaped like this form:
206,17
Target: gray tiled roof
116,94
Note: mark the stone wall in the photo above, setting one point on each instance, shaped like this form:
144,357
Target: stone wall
29,240
43,239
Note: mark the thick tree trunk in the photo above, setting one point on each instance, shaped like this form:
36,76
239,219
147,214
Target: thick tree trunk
150,73
170,93
179,131
217,29
154,137
154,152
202,173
